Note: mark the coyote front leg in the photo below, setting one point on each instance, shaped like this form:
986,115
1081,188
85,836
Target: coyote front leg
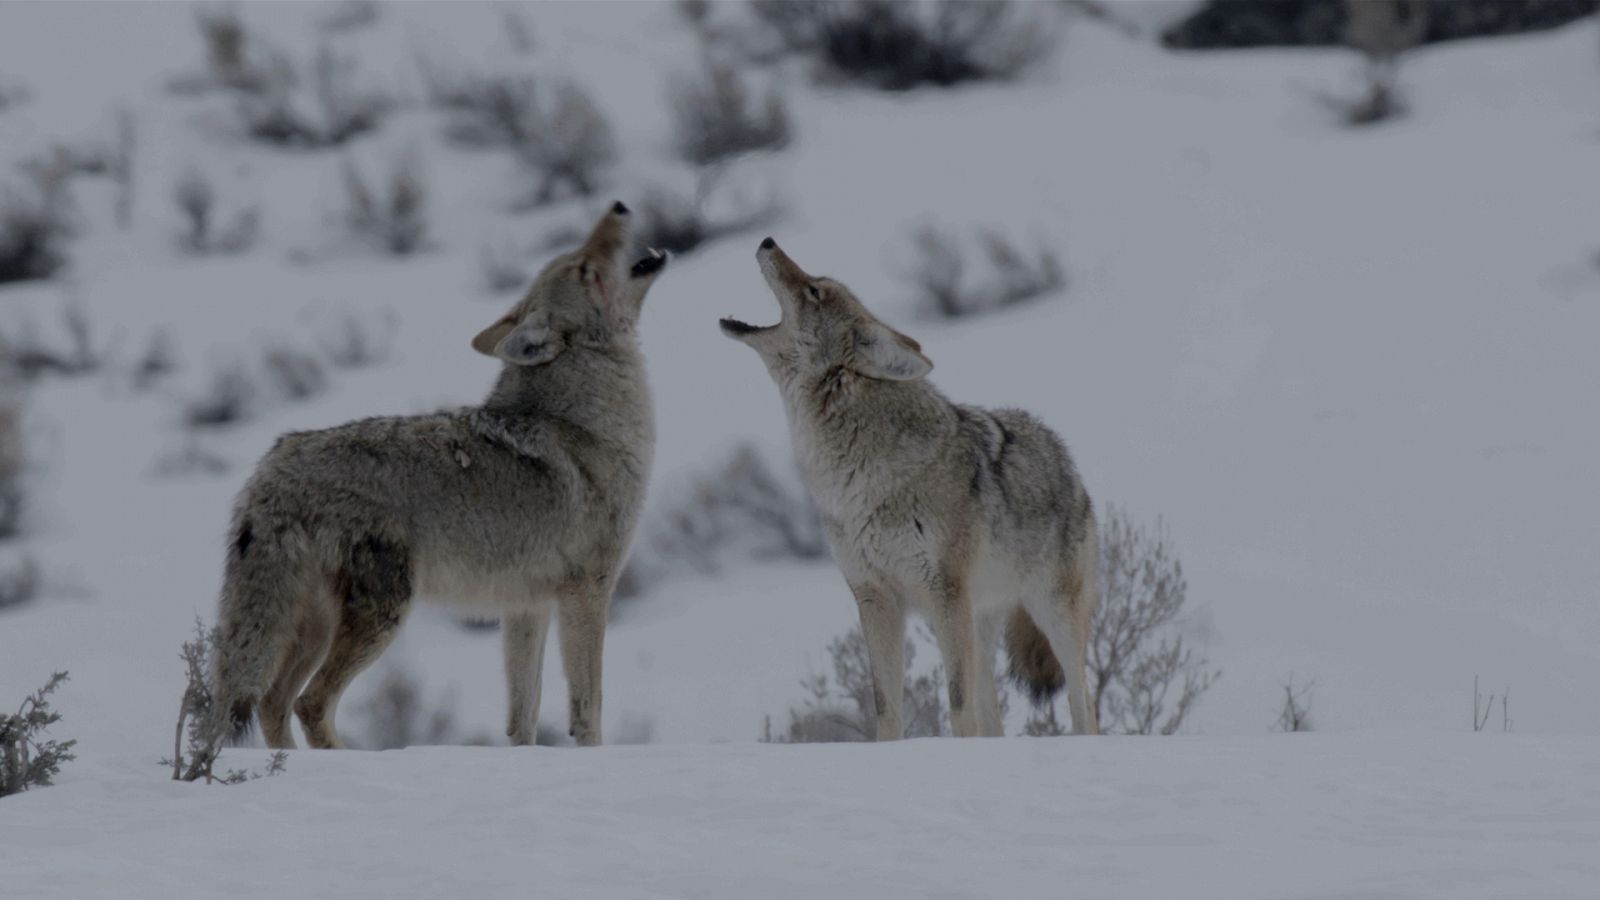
583,636
956,631
883,628
524,635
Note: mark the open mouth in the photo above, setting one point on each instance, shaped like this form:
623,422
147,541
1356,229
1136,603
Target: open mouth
650,265
734,328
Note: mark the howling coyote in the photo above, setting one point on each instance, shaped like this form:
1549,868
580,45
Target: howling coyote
521,507
971,516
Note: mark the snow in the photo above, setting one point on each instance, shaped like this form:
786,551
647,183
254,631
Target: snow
1378,814
1354,372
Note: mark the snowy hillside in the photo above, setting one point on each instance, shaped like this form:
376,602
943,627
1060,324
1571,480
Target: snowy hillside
1353,371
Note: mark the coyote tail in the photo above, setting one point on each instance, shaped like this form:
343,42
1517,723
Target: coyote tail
1033,665
256,616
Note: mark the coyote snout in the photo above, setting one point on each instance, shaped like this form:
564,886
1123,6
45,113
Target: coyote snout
520,508
976,518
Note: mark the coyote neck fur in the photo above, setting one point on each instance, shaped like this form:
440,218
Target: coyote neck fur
846,425
601,392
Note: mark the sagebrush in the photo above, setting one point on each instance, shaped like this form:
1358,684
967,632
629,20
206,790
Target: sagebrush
1143,677
27,757
902,44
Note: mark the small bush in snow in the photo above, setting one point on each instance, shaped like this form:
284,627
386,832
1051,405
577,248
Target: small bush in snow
569,143
1481,708
1296,712
503,269
677,224
27,758
227,45
842,709
204,232
902,44
158,360
293,374
197,740
228,399
19,580
741,505
1381,31
35,222
348,15
325,110
1142,677
353,341
13,93
27,355
715,116
393,215
952,280
396,715
13,464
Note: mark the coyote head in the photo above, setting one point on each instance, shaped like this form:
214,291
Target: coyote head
823,326
586,298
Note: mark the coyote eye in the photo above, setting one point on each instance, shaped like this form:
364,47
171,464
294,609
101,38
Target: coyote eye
583,270
812,290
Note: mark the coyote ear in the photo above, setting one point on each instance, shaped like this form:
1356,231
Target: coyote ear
531,343
882,352
490,337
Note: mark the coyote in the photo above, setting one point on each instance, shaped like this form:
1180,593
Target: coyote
519,507
973,517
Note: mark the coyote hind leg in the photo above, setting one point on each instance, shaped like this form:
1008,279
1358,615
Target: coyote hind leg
375,586
312,636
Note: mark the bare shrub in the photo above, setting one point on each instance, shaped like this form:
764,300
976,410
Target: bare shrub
13,93
715,117
841,709
197,740
325,110
1482,708
19,581
677,224
1381,31
292,373
35,222
352,341
228,399
517,31
396,715
952,280
1296,712
13,465
392,216
902,44
551,125
570,143
27,758
740,504
348,15
190,458
1143,678
227,43
1042,722
502,268
206,227
28,355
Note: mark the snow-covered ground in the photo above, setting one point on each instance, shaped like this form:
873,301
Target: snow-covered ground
1355,373
1369,815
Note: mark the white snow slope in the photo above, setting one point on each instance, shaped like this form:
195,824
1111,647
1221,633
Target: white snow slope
1353,371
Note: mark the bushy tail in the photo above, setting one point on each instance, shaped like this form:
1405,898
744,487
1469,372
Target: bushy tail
1033,665
256,617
